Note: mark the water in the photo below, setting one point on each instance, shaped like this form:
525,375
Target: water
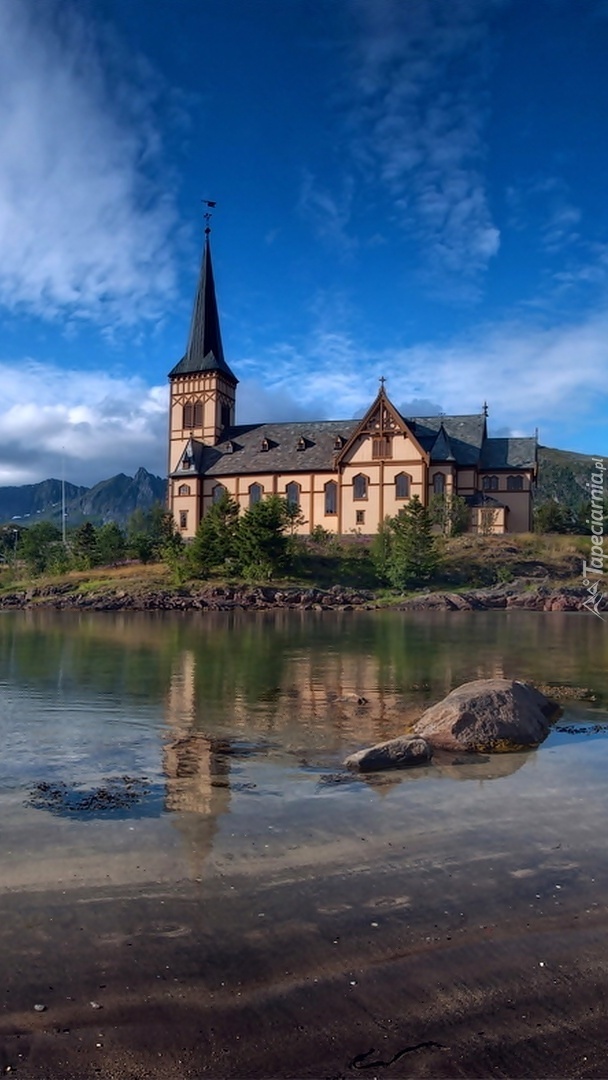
171,787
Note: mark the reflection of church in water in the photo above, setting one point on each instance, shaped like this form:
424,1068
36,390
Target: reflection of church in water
339,700
196,767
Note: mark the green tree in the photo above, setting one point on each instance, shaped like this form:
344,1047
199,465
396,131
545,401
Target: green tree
84,545
414,555
262,542
552,517
148,531
214,547
450,512
111,544
36,545
382,546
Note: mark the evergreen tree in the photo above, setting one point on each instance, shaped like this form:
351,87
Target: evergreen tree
111,544
84,545
414,556
262,541
214,547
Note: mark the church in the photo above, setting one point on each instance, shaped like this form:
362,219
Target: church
345,475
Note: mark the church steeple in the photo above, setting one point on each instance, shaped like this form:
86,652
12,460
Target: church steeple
205,351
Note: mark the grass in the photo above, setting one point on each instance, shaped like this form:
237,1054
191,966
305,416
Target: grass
468,562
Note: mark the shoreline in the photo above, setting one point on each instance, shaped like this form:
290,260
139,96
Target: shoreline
518,595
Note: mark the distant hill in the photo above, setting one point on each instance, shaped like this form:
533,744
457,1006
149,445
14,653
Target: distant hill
109,500
563,476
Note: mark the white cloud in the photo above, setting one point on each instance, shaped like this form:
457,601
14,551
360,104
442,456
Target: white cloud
84,225
531,376
92,424
419,108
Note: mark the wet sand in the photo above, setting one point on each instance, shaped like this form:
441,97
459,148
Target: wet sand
385,958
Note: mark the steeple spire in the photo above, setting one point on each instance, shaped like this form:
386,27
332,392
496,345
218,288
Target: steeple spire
204,351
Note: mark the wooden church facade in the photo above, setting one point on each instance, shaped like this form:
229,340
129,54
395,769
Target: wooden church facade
344,474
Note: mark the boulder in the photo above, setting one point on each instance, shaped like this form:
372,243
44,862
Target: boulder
488,716
395,754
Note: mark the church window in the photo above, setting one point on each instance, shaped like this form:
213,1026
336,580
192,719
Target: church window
490,483
292,493
360,486
192,415
183,519
515,483
183,489
439,483
360,517
225,415
331,497
382,447
255,493
218,493
402,486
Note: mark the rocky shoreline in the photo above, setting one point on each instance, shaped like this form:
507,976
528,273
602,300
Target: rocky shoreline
516,595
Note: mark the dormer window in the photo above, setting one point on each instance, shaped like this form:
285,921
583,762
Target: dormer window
186,461
229,448
338,442
301,445
265,445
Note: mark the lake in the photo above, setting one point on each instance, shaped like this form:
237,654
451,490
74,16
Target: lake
192,885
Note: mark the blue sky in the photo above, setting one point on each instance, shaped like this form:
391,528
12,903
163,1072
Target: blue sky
407,188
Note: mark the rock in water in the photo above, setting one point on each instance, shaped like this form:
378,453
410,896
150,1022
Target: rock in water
394,754
488,716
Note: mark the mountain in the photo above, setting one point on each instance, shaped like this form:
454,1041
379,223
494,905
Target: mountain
563,476
109,500
35,501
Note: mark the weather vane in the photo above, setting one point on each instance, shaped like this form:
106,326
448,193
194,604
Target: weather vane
208,215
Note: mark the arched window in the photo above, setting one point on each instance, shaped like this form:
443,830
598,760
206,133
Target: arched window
218,493
292,493
360,486
515,483
255,493
439,483
490,483
331,497
183,489
183,519
402,486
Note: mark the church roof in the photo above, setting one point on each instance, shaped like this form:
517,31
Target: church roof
204,351
464,433
290,447
313,445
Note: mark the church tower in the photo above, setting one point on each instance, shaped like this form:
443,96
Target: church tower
202,401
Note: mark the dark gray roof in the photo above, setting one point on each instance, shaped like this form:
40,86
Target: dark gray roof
509,454
205,351
480,498
456,438
442,448
240,449
465,434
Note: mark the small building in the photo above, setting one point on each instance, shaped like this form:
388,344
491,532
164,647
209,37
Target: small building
344,475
